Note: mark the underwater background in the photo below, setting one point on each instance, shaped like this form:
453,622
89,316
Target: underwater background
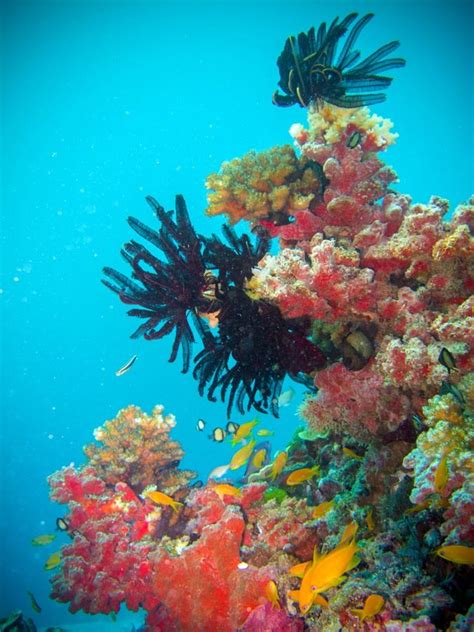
104,103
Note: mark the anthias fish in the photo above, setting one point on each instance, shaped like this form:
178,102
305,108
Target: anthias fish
302,475
242,456
372,606
163,499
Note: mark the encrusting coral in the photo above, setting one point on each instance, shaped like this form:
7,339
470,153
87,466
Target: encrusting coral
269,185
136,447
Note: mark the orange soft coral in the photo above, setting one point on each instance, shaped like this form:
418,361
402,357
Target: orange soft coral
136,447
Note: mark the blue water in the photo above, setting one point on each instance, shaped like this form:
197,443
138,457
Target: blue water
106,102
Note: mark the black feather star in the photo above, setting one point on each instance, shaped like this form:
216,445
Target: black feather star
254,349
311,69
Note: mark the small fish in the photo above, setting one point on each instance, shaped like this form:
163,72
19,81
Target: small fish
457,553
53,561
200,425
278,464
163,499
62,524
126,366
231,427
349,532
452,389
34,604
441,475
417,508
353,140
285,398
447,360
42,540
271,593
218,435
372,606
242,456
243,431
351,454
265,433
323,508
224,489
302,475
259,458
369,519
242,566
219,471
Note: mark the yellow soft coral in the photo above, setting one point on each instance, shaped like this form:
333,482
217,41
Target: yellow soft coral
270,184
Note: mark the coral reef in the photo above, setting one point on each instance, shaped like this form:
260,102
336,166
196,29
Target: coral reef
367,302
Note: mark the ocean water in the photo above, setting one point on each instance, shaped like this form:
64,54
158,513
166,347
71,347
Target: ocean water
106,102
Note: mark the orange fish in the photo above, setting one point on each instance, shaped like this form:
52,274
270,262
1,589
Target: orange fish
369,519
348,533
259,458
441,475
322,509
325,572
223,489
242,456
243,431
271,593
372,606
423,505
302,475
278,464
457,553
350,453
298,570
163,499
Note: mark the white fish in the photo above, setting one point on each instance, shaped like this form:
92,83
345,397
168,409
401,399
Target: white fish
126,366
219,471
285,398
242,565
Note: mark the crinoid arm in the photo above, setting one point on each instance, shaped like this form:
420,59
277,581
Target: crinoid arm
311,69
167,290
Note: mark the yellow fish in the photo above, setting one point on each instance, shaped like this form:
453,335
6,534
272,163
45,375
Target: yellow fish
243,431
348,533
456,553
278,464
325,572
372,606
271,593
223,489
242,456
163,499
322,509
265,433
369,519
53,561
350,453
34,604
302,475
298,570
416,508
41,540
319,600
259,458
441,475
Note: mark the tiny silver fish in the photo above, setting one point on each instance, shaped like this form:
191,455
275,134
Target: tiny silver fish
126,366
